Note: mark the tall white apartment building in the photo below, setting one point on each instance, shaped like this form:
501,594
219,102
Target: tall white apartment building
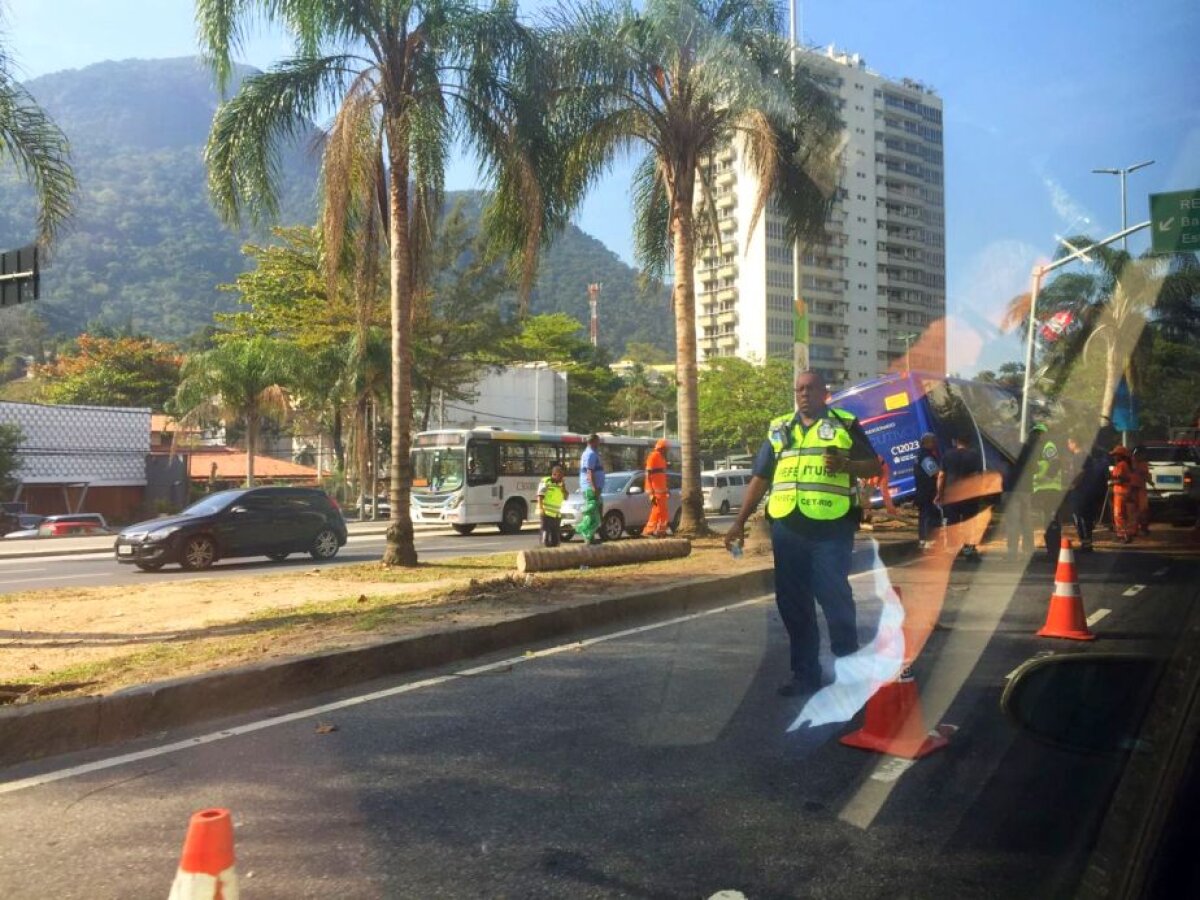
877,284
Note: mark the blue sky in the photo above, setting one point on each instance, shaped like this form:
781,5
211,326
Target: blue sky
1036,94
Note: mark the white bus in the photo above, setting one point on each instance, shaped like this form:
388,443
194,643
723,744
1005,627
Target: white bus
490,476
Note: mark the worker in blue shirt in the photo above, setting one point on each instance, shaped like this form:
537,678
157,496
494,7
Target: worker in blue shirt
591,484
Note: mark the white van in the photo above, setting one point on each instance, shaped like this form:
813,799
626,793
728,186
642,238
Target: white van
724,488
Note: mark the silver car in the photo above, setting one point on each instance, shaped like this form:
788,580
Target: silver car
626,505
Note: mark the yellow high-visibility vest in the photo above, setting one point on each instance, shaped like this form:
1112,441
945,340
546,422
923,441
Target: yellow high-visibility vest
801,480
553,497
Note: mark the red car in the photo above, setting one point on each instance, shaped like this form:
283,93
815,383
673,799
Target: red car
72,525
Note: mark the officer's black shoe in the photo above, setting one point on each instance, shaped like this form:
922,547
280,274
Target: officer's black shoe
799,687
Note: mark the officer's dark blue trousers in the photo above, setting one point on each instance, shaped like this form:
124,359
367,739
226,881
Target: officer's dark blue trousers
808,569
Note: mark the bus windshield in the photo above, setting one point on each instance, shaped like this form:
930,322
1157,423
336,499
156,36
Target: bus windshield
437,469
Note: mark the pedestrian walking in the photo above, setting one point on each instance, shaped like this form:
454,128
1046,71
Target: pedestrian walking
591,483
656,487
809,462
1016,484
1124,500
1141,486
550,496
959,464
1048,491
925,475
1082,490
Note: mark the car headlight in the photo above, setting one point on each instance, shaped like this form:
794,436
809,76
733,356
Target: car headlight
455,501
161,534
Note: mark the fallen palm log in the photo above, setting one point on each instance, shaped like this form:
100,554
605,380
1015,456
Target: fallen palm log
613,553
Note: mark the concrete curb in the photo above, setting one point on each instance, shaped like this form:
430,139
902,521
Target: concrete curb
63,726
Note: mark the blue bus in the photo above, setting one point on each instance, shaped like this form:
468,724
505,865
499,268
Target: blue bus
896,409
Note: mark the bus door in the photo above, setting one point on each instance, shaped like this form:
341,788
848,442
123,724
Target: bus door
485,495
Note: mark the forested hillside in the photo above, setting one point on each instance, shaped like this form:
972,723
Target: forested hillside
147,252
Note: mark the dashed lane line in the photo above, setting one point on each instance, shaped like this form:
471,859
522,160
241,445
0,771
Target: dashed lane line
1097,616
1136,589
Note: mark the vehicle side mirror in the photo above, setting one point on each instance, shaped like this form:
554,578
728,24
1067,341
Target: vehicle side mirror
1091,702
637,489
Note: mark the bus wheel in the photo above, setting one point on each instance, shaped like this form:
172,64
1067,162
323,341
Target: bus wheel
463,529
513,517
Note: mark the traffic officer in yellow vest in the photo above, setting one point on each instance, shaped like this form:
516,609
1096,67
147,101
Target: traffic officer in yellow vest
810,461
551,494
1048,490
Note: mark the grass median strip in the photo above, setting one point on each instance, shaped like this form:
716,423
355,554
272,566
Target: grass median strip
120,637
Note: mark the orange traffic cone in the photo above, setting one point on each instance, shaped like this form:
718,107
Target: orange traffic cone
894,722
206,867
1065,618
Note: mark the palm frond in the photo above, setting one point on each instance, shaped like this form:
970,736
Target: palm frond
652,218
270,109
40,149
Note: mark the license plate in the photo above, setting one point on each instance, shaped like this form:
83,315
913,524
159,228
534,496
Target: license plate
1169,479
124,550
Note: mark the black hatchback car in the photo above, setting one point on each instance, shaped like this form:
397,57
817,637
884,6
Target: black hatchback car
266,521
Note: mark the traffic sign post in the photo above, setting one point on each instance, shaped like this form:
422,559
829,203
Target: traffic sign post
1175,222
19,275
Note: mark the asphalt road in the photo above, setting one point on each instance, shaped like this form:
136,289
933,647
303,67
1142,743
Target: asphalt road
652,763
101,570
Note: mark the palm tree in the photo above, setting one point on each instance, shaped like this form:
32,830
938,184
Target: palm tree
239,380
685,79
1111,303
405,76
40,150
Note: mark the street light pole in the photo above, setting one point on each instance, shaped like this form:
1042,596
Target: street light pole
908,339
1122,174
1039,273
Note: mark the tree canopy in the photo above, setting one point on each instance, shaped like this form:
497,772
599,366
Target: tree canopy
738,398
113,371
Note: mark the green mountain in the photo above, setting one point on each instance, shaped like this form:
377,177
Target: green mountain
146,249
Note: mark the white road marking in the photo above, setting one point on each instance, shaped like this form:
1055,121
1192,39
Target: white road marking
47,578
1097,616
1163,571
1136,589
66,557
891,769
251,727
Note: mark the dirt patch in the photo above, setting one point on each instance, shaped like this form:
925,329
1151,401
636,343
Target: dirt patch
95,640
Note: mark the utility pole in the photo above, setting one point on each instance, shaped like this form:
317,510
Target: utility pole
1122,173
594,302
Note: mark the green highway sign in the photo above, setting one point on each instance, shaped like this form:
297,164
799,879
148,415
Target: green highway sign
1175,221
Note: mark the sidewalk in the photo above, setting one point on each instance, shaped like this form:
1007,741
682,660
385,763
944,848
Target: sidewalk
34,547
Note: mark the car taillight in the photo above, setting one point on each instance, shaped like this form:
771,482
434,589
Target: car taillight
336,505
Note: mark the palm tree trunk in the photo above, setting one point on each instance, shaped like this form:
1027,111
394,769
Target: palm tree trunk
400,550
251,440
339,447
362,441
1112,374
683,237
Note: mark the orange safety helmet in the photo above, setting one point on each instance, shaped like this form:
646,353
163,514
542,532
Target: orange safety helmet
661,445
1119,450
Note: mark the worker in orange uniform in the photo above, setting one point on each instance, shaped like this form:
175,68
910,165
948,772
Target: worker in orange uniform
656,487
1124,495
1141,483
